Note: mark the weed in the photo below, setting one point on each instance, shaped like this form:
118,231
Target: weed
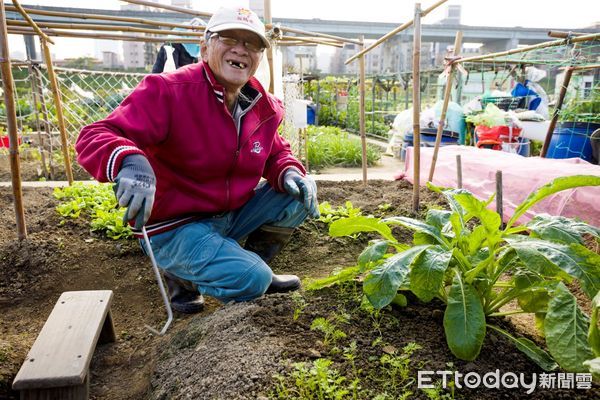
299,304
332,333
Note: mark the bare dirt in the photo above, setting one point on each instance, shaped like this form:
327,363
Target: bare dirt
228,351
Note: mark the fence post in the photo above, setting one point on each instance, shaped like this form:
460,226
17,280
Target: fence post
361,115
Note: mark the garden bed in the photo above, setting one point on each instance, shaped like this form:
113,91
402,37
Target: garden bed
234,351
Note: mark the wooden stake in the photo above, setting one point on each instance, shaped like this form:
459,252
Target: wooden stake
499,195
556,113
34,95
361,112
59,113
11,122
417,106
459,177
447,94
393,32
269,20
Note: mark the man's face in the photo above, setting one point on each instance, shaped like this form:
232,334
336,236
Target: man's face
233,57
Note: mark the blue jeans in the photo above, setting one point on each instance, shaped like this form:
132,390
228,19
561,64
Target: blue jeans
207,252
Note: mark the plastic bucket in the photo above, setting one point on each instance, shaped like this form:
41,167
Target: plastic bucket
428,136
5,141
572,139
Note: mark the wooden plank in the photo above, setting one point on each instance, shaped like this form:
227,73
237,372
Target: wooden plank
77,392
63,350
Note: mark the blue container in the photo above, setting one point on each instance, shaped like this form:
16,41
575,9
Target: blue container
310,114
428,137
524,147
572,139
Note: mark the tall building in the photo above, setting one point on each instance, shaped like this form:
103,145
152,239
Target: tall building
138,55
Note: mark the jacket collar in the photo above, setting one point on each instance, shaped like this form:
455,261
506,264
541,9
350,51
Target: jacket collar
251,90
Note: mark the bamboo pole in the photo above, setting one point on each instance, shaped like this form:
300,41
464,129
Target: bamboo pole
38,124
170,8
459,175
395,31
306,147
102,17
416,106
499,195
29,22
109,28
361,113
553,43
132,38
310,40
268,20
584,67
316,34
447,94
557,108
59,112
11,122
564,35
46,119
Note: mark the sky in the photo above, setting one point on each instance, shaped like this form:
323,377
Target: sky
497,13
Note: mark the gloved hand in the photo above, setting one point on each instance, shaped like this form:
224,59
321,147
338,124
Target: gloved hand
135,186
303,189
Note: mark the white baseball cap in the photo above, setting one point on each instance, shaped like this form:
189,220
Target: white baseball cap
237,18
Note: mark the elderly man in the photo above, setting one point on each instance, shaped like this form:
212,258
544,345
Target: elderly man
187,150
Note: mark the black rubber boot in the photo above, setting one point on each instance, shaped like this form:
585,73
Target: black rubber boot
268,241
184,295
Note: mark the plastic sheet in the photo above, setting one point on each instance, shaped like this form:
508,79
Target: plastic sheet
520,176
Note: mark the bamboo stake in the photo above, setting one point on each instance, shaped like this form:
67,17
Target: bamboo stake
46,117
584,67
584,38
310,40
315,34
459,175
11,122
447,94
361,113
38,124
170,8
417,106
109,28
499,194
102,17
59,113
132,38
564,35
393,32
29,21
557,108
268,20
306,147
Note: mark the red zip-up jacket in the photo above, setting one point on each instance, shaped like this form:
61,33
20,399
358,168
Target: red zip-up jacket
180,123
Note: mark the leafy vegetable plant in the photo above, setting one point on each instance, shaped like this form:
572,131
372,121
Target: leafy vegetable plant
97,202
465,258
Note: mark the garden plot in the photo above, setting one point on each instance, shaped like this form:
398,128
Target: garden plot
324,339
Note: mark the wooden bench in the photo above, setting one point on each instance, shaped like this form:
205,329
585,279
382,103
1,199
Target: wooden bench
57,365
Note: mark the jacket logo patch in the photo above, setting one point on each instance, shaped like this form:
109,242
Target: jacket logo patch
256,148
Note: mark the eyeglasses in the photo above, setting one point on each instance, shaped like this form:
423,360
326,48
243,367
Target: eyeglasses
231,42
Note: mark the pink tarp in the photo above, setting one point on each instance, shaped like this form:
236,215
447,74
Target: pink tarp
520,176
